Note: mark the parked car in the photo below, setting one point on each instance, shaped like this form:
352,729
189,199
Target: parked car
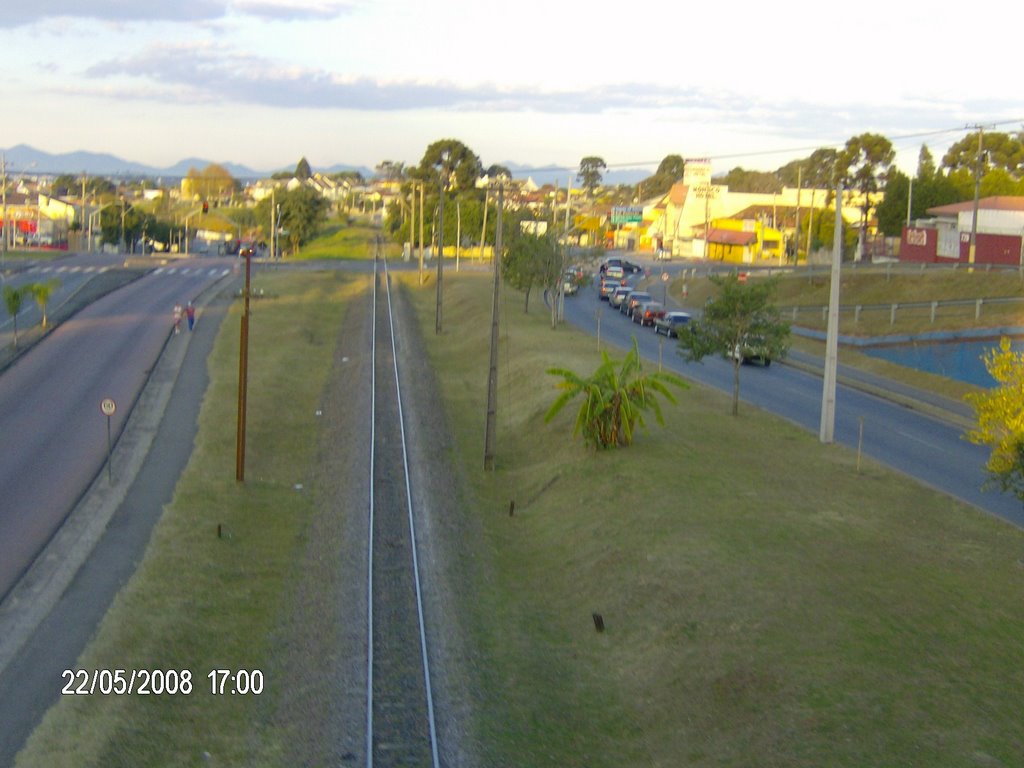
614,272
671,322
647,312
751,351
620,294
570,284
607,285
634,299
617,263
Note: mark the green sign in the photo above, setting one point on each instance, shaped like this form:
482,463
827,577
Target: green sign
627,214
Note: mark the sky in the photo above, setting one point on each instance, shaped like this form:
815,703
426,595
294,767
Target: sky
534,82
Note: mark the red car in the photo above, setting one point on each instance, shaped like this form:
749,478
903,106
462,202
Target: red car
648,312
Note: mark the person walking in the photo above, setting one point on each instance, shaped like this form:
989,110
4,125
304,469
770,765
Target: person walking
177,318
190,313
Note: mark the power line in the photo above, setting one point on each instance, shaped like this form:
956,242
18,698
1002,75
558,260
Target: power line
787,150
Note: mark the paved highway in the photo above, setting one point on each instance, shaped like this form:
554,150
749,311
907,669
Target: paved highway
909,441
55,437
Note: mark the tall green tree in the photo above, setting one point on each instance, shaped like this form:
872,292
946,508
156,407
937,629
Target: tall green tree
303,211
615,398
741,317
452,161
998,150
670,170
589,174
390,170
302,169
816,171
926,168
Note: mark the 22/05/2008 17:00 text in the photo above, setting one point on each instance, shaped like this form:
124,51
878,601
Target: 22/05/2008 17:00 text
146,682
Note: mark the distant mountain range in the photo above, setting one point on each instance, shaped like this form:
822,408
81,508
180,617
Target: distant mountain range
25,159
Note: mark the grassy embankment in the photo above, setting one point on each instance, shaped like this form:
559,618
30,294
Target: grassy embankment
765,603
340,240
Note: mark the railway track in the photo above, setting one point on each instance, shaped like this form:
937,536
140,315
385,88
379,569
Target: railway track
400,725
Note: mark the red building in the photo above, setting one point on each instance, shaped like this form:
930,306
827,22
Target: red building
946,238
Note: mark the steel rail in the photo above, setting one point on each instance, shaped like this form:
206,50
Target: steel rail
417,581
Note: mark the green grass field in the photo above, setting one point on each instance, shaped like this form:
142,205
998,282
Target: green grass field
346,241
765,602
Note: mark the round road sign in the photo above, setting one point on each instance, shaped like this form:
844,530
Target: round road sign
108,406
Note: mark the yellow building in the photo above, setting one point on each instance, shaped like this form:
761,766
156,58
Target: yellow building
744,241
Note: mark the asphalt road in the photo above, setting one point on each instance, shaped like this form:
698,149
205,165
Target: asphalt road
55,435
924,447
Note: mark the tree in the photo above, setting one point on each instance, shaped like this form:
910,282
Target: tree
762,182
41,293
816,171
925,164
590,173
1000,413
302,211
999,150
741,317
451,160
302,169
390,171
214,182
498,172
864,165
529,261
65,184
615,398
13,297
670,170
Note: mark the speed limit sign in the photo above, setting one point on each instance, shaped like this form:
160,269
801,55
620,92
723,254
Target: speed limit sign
108,406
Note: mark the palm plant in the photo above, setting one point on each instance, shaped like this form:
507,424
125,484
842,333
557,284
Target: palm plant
12,299
615,398
41,292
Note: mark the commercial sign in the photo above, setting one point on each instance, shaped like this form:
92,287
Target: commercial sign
627,214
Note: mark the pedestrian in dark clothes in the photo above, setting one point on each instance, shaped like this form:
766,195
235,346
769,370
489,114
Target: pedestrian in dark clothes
190,313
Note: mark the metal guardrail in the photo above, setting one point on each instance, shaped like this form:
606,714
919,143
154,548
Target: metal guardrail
893,308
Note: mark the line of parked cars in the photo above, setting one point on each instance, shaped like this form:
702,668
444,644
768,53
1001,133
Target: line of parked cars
639,306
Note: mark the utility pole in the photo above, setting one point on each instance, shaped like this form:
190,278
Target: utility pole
422,276
243,377
3,173
440,258
796,236
483,229
828,391
972,249
910,198
273,220
412,226
490,431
